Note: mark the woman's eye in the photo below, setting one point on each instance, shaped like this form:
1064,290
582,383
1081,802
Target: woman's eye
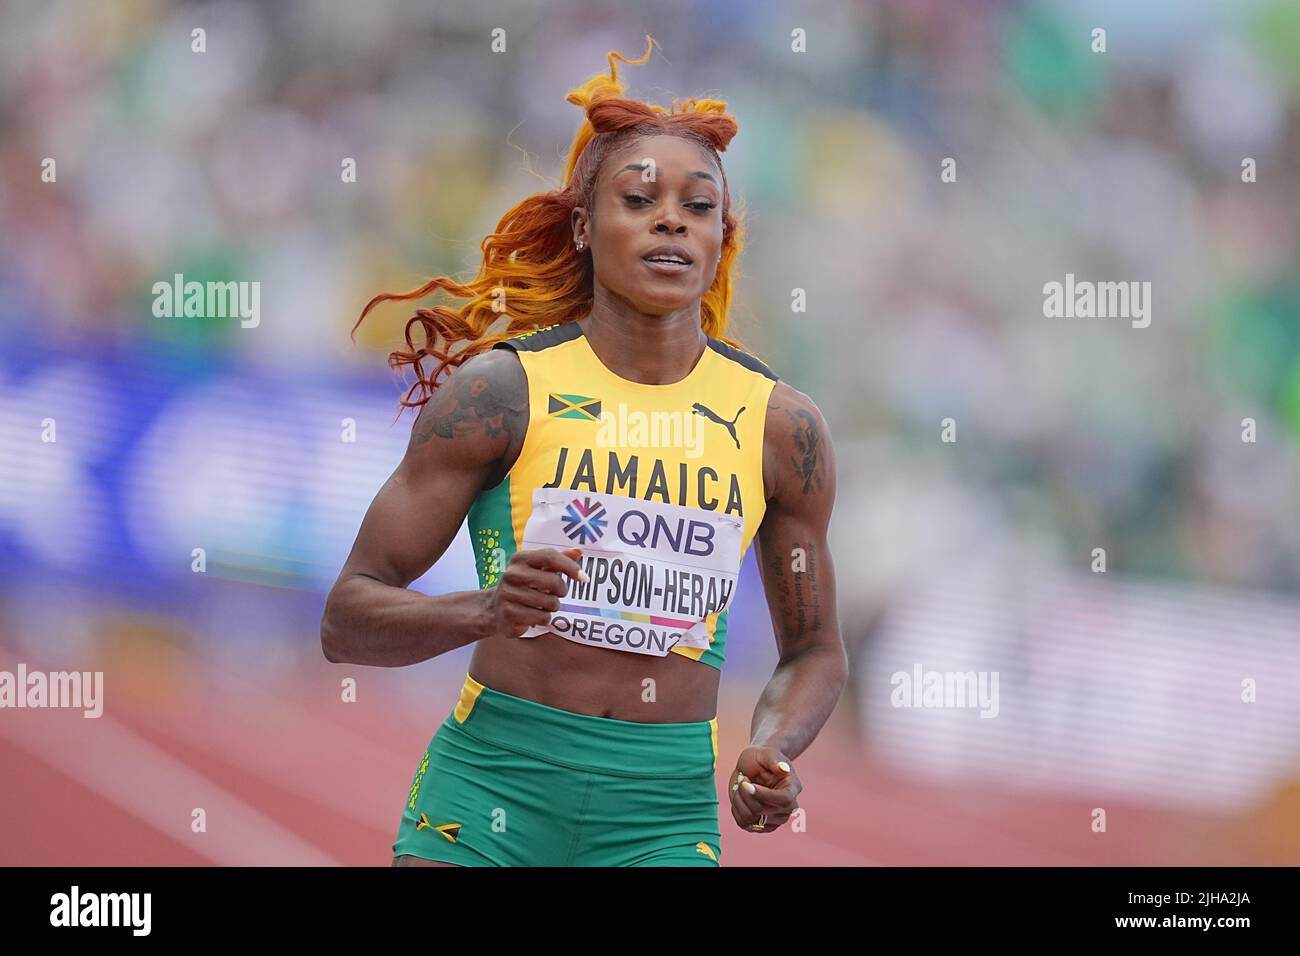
701,206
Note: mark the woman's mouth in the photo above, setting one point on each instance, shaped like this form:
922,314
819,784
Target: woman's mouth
667,264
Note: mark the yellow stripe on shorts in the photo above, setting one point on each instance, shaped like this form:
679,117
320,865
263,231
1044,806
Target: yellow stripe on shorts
468,697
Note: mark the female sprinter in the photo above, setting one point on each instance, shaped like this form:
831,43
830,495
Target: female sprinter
615,454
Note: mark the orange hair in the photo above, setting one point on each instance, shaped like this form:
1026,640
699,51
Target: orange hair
530,259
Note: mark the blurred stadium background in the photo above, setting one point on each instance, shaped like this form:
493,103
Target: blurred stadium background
1119,690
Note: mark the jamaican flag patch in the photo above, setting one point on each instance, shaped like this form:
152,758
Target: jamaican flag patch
574,406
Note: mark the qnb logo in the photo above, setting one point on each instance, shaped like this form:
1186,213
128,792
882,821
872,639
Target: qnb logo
681,536
102,909
584,520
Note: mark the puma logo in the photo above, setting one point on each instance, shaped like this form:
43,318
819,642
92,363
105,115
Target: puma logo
713,416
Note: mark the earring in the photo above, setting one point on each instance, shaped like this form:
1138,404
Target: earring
579,245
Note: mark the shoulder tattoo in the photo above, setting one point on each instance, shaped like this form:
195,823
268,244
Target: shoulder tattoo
491,403
807,459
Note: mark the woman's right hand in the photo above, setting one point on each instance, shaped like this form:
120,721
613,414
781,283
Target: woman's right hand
531,587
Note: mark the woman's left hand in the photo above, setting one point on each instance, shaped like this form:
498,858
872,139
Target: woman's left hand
764,789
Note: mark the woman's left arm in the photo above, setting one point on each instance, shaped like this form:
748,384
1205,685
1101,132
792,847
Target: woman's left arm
799,580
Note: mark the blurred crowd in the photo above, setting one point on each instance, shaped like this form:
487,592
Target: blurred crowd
923,297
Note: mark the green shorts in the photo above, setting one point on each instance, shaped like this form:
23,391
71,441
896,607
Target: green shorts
511,782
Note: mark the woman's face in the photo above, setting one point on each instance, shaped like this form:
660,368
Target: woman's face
640,208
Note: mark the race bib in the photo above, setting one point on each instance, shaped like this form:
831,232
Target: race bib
657,570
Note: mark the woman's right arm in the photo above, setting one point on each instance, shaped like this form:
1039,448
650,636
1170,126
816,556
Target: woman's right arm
467,435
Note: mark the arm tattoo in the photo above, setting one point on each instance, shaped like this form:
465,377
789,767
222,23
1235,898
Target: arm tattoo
474,403
797,599
814,595
781,587
807,442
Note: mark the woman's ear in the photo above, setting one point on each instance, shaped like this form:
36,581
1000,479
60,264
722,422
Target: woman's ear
581,229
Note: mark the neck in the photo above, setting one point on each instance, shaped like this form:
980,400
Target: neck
650,349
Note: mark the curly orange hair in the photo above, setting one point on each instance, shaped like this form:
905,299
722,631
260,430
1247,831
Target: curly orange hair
530,259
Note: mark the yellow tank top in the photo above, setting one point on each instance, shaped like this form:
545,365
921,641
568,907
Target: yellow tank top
660,485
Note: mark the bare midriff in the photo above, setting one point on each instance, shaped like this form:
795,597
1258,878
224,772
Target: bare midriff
598,681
